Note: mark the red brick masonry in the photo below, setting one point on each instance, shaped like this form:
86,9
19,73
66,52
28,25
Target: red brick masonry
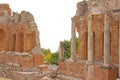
87,72
23,60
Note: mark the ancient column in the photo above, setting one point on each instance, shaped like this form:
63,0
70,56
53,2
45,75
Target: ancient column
90,41
61,50
73,41
119,51
106,41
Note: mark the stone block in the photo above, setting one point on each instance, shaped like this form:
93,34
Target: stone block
26,61
43,68
72,69
16,59
2,59
8,58
37,59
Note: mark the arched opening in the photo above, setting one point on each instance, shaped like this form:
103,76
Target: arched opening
77,42
13,43
102,55
29,42
86,46
21,42
2,40
94,44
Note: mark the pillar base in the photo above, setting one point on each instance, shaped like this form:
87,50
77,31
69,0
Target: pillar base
62,59
70,60
106,65
90,62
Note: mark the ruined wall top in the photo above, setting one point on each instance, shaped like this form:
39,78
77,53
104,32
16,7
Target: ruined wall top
20,31
5,7
5,15
81,8
22,17
96,6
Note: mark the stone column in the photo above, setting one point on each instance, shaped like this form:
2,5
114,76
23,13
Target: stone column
61,50
106,41
90,41
73,41
119,51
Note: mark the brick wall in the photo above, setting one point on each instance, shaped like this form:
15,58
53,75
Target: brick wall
88,72
21,60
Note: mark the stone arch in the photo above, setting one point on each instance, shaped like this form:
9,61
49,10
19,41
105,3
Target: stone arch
29,42
101,56
21,47
111,42
13,46
94,44
2,39
86,46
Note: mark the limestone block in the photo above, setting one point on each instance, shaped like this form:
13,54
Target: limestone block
36,50
43,68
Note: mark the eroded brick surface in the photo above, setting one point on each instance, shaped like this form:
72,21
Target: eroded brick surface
19,45
97,10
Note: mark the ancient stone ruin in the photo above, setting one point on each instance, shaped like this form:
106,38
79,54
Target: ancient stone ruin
19,45
98,56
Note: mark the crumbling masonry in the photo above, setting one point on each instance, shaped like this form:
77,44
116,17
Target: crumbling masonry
98,56
19,44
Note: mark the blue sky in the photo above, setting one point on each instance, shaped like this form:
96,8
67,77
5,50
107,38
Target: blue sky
53,18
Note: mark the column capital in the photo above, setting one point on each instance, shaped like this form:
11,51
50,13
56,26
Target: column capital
90,23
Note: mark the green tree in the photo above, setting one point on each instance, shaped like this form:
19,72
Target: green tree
76,44
54,58
67,48
46,53
49,56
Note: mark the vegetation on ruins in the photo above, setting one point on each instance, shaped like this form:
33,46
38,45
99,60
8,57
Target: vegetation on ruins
53,57
50,56
67,49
